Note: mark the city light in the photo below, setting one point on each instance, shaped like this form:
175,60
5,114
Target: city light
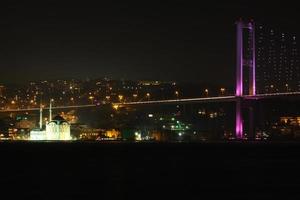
222,91
115,106
138,136
91,98
126,93
206,92
164,99
121,97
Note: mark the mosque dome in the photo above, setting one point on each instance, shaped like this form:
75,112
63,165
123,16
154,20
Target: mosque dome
58,119
58,129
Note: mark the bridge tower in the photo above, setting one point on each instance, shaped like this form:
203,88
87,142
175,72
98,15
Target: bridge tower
245,59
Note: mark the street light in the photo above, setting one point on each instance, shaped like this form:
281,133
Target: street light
115,106
177,94
287,87
91,98
272,86
206,92
222,91
148,96
121,97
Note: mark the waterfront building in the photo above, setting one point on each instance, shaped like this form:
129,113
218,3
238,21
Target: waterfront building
56,129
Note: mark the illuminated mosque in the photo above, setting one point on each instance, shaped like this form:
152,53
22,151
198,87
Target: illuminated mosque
56,129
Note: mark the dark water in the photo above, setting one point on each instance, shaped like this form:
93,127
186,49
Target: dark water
126,170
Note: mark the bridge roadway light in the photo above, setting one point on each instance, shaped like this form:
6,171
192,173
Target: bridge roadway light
222,91
135,96
206,92
148,96
287,87
272,87
177,94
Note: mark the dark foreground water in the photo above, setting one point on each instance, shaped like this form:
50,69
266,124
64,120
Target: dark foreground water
158,171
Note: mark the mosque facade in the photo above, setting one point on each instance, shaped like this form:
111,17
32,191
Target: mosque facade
56,129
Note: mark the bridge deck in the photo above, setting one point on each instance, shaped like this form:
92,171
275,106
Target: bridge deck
175,101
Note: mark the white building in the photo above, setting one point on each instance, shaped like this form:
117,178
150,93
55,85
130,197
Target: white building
56,129
38,134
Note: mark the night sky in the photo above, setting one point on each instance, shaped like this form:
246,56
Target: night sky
174,40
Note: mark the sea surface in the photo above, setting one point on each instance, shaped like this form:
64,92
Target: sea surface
116,170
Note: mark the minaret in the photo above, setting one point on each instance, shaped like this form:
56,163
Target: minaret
50,111
41,117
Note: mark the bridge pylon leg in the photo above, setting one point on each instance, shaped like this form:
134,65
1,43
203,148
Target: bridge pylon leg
239,119
251,123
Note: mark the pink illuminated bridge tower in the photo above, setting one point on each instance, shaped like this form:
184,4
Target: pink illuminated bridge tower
245,59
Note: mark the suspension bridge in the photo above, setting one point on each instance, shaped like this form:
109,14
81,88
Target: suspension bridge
238,98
